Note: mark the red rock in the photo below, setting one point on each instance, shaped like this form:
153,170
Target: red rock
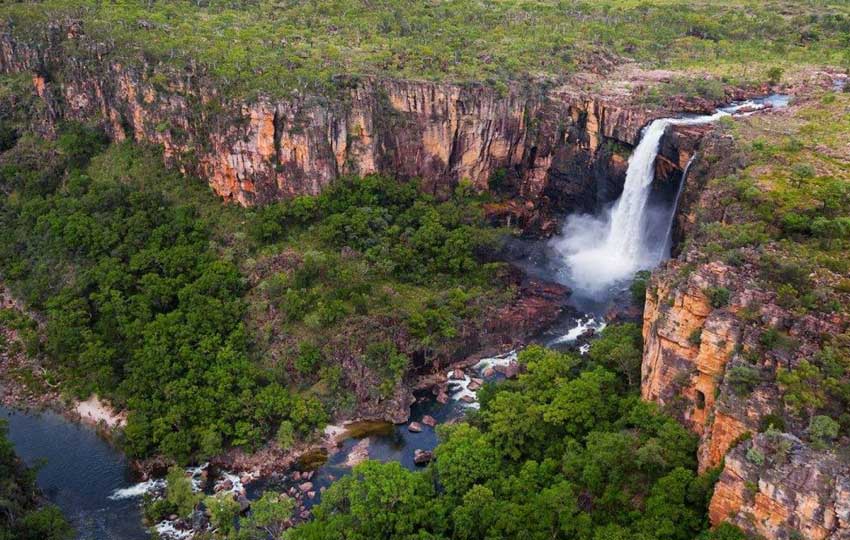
489,372
429,420
467,399
414,427
457,375
306,486
442,398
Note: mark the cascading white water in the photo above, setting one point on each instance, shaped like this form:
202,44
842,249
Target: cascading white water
603,250
667,246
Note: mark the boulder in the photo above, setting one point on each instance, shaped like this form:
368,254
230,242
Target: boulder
225,485
429,420
311,494
422,457
442,398
306,486
414,427
244,503
511,370
474,386
457,375
468,399
489,372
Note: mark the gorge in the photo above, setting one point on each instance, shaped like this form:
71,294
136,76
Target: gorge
501,270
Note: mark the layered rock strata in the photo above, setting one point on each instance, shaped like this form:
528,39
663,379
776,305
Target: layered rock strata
559,143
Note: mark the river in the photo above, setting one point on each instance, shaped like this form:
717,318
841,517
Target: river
79,471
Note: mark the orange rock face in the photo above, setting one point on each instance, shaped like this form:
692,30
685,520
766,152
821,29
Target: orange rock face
266,150
687,344
776,486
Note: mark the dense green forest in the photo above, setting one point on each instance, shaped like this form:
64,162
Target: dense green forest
137,271
274,47
566,451
23,517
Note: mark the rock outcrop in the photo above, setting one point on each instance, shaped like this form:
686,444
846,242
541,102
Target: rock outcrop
715,336
559,143
778,487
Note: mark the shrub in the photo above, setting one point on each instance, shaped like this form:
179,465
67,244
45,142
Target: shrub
774,75
822,431
696,337
179,492
638,287
743,379
285,434
772,421
308,359
800,173
754,455
718,296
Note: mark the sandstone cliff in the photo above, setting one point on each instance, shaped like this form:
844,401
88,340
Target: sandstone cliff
716,334
778,487
556,143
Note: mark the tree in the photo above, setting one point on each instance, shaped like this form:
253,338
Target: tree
179,492
223,510
285,434
464,459
583,403
270,515
620,349
515,425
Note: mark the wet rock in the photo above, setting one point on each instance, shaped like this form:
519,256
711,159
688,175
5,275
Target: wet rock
358,454
475,385
306,486
414,427
457,375
422,457
311,494
511,370
442,398
467,399
296,476
225,485
429,420
489,372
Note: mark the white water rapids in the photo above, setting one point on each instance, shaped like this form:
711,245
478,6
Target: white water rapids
604,250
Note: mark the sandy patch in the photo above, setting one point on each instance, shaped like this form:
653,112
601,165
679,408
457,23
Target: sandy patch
95,411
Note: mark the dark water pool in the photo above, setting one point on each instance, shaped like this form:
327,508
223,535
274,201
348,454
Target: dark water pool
79,472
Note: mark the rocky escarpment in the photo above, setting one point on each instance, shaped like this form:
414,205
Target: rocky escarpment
778,487
717,334
556,144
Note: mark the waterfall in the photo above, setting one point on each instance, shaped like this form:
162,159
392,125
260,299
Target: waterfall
607,249
668,236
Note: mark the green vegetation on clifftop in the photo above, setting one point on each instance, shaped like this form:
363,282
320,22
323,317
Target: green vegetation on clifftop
296,46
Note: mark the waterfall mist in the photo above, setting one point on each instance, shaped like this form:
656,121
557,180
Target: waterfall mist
603,251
